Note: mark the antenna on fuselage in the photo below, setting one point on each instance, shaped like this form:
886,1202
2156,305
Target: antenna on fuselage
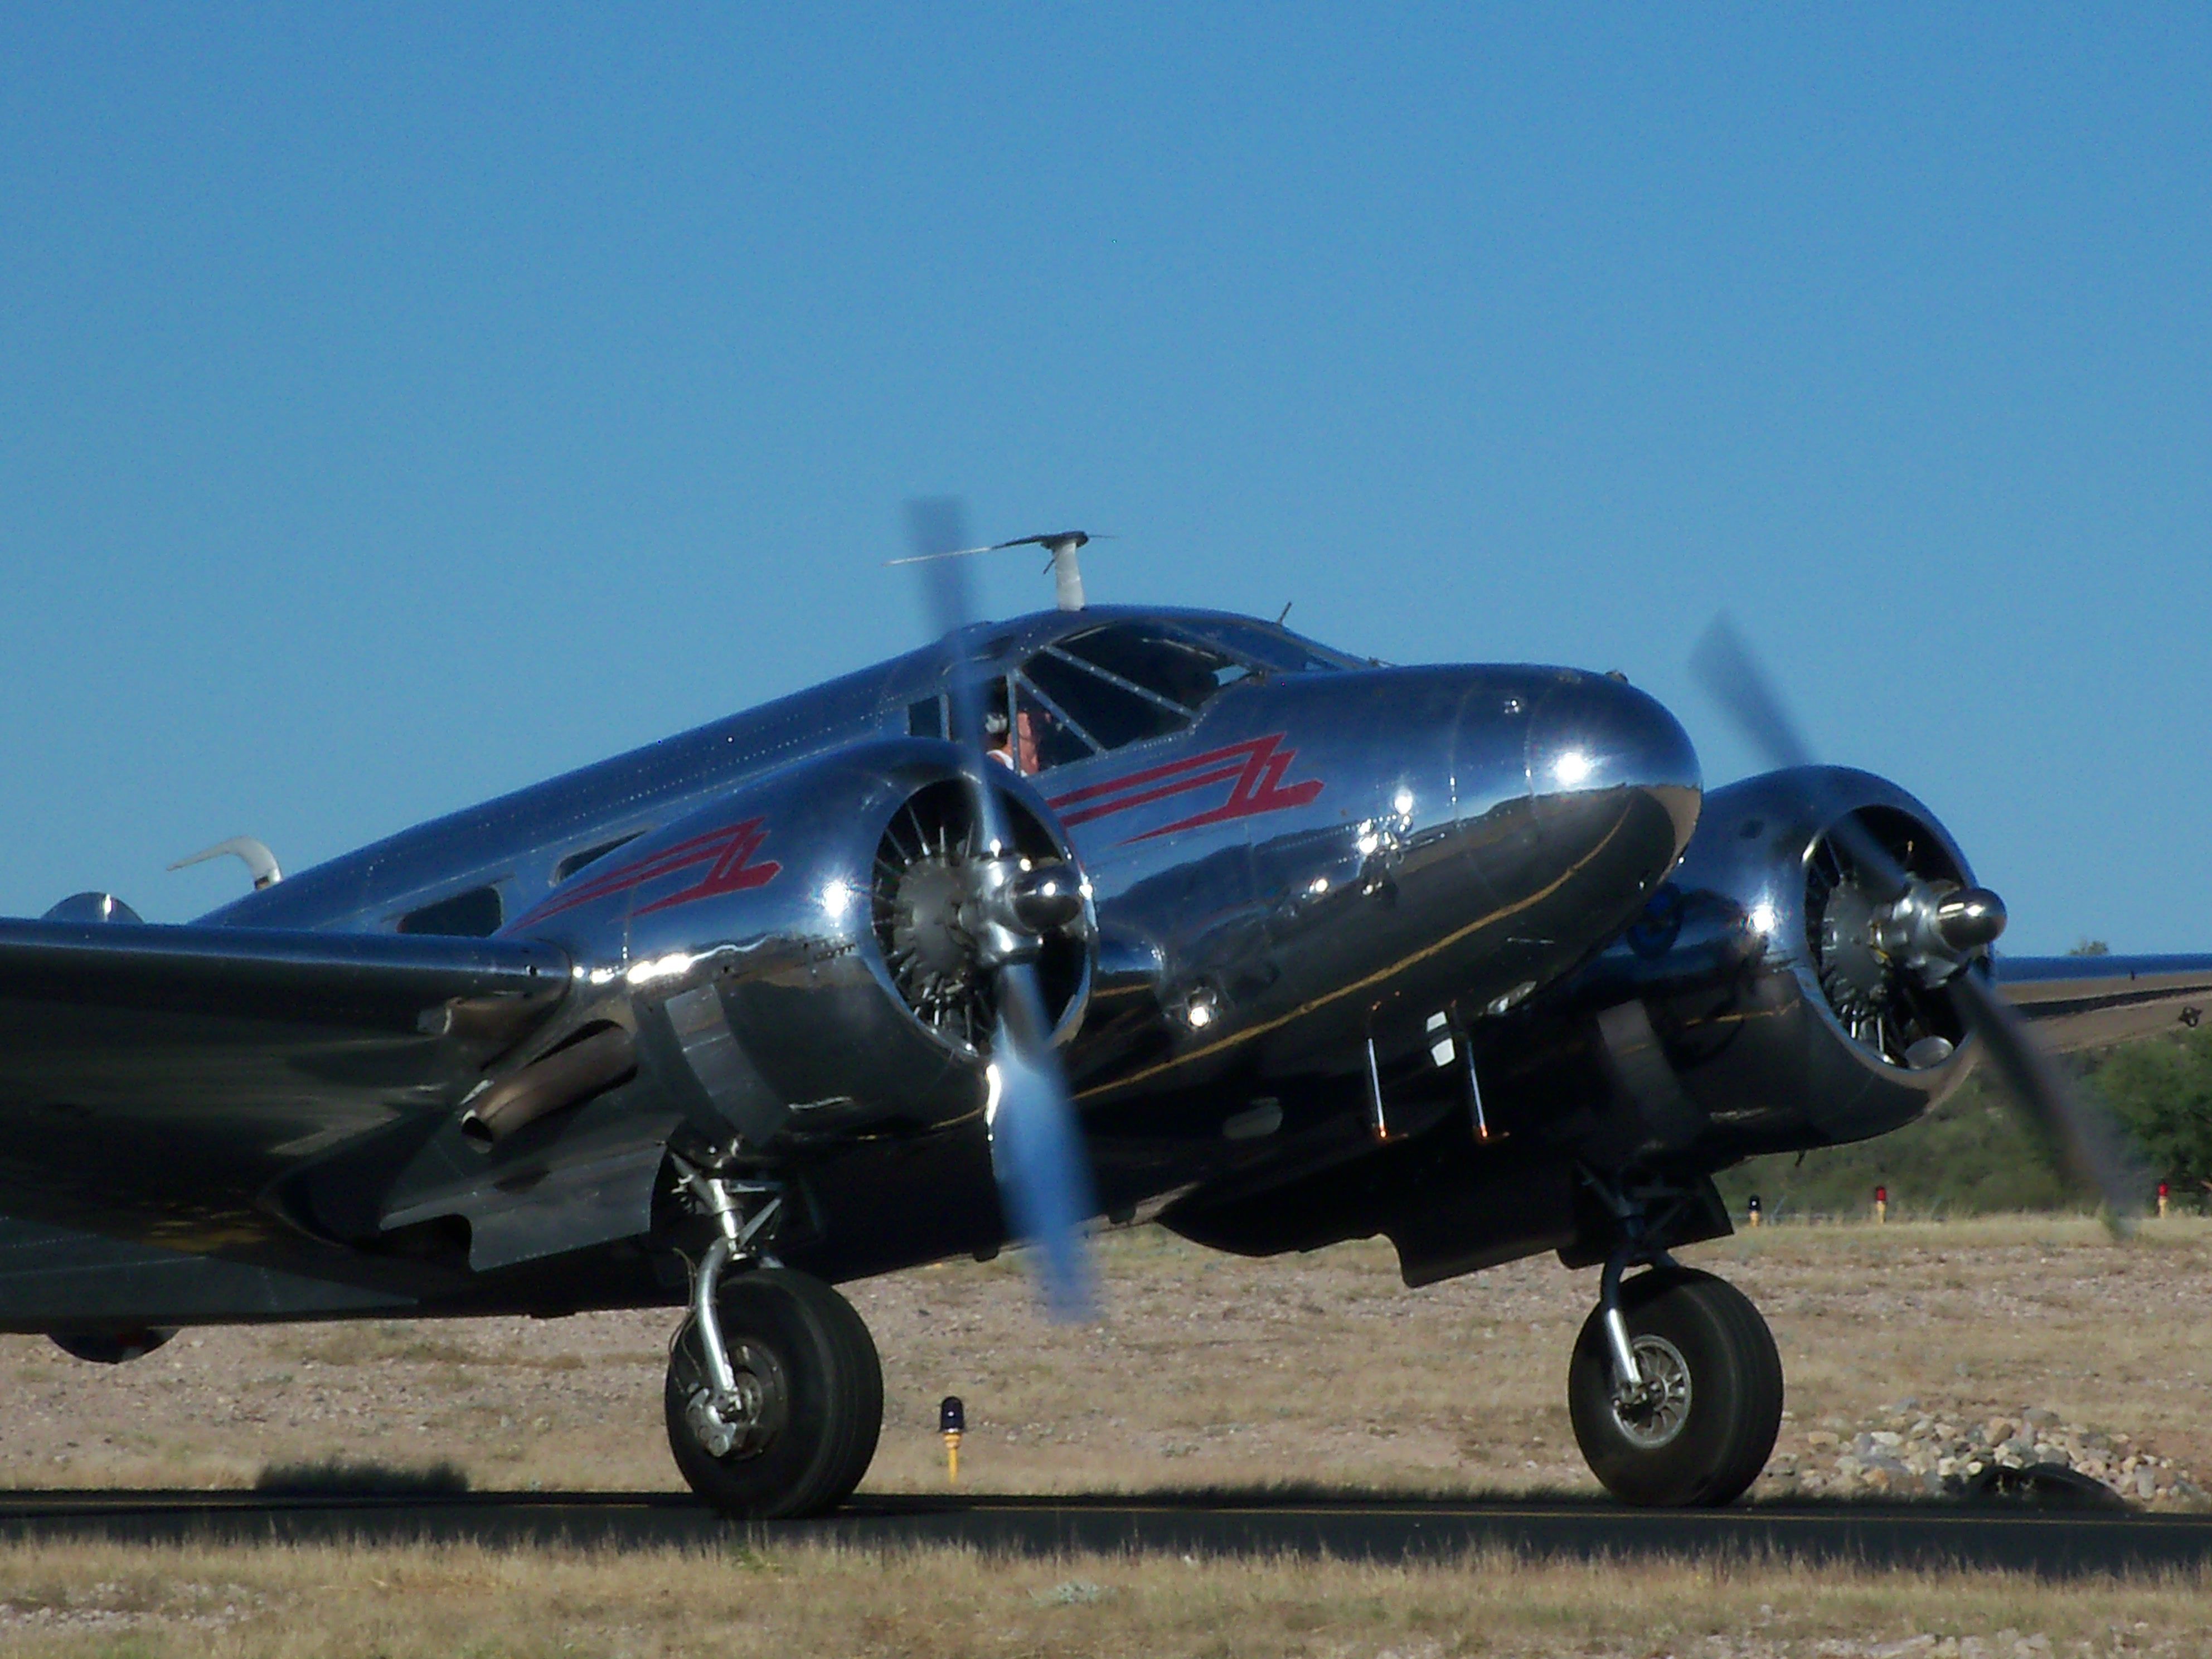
1066,574
260,863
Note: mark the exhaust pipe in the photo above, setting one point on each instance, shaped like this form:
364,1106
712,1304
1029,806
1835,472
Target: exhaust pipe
568,1077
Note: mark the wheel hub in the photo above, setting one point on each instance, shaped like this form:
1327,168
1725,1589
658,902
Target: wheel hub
761,1405
1652,1414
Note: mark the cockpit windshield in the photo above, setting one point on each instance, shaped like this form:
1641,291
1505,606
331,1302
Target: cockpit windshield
1272,648
1125,682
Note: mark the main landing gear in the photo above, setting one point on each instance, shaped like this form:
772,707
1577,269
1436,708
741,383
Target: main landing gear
1674,1388
775,1395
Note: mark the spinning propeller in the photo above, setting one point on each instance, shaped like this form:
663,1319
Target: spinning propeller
1937,933
1007,908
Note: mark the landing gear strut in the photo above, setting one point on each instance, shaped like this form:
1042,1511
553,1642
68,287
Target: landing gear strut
774,1394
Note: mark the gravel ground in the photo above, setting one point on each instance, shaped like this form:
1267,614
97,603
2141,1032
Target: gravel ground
1209,1370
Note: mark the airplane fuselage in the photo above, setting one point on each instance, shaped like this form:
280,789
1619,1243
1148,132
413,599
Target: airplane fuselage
1319,878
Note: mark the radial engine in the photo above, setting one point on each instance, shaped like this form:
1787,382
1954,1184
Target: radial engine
813,953
1773,996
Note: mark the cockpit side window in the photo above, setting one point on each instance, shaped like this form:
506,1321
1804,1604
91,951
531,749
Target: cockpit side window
1107,711
1048,736
1038,735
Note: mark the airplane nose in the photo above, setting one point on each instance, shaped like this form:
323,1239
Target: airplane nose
1593,735
1611,770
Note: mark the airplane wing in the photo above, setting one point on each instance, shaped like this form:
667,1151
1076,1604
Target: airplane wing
2092,1002
156,1081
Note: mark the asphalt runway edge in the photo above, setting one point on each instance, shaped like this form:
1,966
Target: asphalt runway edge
2049,1545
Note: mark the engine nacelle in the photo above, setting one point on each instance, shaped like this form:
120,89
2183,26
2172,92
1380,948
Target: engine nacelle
1746,1012
807,955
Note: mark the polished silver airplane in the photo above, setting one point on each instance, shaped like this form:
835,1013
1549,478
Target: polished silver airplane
1103,914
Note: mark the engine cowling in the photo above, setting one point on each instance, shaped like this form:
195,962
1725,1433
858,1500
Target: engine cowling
1748,1011
1772,995
810,954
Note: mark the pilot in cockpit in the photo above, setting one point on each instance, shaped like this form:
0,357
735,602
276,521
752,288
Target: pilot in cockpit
1022,756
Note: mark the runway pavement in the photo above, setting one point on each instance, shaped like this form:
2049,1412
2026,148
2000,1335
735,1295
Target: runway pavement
2051,1544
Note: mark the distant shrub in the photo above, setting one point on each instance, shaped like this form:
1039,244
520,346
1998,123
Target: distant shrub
2161,1089
1970,1156
1973,1155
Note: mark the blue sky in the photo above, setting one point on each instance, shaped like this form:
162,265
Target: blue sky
403,404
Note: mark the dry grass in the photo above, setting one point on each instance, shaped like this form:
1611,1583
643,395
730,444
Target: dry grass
1207,1370
278,1602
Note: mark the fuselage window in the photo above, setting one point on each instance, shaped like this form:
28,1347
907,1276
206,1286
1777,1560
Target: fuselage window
475,914
576,861
925,718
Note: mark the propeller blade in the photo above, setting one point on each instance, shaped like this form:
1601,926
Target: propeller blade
1723,664
1037,1149
1036,1143
936,527
2091,1142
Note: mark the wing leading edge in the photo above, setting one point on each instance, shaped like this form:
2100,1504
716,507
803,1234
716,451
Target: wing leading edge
2092,1002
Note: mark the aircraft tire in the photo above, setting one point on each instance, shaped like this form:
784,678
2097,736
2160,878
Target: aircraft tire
1706,1448
810,1354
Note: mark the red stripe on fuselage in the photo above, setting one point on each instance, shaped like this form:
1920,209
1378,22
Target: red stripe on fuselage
1253,769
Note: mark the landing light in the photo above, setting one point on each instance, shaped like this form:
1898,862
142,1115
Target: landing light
1512,999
